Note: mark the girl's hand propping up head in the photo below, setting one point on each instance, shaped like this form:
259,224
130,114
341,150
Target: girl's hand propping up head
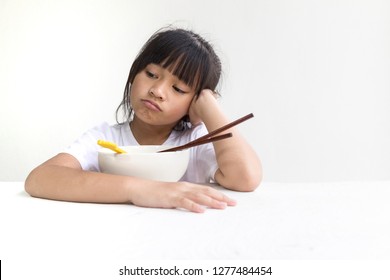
202,104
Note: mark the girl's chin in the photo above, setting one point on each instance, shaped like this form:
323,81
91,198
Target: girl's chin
145,118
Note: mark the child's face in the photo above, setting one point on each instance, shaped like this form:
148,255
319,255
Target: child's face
158,97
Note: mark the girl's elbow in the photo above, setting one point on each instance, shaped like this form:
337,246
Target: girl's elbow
250,176
30,185
250,182
243,181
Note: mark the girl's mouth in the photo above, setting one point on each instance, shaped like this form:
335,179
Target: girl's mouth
151,105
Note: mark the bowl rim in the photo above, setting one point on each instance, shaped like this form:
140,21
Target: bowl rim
106,151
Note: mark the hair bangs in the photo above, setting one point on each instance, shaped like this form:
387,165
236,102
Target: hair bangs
188,66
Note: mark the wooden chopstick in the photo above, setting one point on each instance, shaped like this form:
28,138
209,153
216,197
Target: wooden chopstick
223,128
197,143
208,137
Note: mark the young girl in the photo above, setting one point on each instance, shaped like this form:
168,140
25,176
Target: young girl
169,99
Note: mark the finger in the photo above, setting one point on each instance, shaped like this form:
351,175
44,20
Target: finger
208,200
197,202
190,205
196,198
213,203
219,196
229,201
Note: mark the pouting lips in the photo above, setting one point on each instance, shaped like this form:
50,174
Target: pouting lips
151,105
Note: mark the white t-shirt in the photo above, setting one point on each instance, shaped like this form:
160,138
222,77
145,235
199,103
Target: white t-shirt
201,167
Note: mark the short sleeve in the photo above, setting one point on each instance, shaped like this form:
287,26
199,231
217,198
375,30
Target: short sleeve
85,148
206,163
203,163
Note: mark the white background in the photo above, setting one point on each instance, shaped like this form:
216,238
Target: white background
316,74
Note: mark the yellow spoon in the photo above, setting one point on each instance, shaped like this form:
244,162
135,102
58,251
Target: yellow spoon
112,146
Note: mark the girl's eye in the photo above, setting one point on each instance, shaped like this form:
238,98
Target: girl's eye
150,74
178,90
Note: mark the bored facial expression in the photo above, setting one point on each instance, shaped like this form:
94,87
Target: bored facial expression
158,97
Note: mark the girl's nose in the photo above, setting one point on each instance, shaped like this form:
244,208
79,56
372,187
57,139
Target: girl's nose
157,92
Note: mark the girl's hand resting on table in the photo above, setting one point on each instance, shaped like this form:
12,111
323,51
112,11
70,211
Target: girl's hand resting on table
189,196
61,178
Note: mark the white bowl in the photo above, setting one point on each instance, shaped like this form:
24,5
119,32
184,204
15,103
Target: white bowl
144,162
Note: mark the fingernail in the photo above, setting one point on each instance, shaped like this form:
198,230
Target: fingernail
232,202
223,204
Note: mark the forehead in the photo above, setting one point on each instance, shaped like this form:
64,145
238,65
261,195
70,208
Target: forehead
185,68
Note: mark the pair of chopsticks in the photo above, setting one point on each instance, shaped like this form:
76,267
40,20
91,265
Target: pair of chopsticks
209,137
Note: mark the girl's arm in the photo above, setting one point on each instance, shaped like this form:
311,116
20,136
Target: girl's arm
239,166
61,178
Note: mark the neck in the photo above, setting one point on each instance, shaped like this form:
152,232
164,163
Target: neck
147,134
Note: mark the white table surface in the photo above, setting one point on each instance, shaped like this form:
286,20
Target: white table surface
278,221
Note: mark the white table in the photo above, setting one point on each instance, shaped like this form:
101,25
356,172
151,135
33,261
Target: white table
278,221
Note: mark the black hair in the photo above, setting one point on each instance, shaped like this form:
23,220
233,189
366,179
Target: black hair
185,54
